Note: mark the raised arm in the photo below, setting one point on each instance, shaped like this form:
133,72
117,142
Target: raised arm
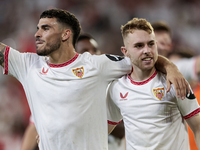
173,77
2,53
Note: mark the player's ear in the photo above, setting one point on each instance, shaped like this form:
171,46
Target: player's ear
66,34
124,50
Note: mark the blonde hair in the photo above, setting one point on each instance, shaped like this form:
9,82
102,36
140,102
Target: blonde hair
136,24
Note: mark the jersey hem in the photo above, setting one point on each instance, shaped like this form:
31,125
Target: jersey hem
31,122
192,113
113,123
6,60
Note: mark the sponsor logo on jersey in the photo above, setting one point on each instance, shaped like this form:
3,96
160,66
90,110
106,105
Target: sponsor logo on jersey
190,96
114,57
79,72
123,97
159,93
44,71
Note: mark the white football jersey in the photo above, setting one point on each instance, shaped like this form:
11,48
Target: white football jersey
67,101
152,118
187,67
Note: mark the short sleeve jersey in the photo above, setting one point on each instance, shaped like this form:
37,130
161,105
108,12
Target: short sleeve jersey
152,118
67,101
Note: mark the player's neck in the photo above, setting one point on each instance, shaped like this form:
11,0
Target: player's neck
141,75
62,55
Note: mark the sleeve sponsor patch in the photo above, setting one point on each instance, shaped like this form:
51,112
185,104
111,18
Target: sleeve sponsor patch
190,96
114,57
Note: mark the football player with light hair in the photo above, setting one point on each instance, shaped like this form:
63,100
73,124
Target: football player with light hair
153,118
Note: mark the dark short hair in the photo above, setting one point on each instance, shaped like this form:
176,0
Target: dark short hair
66,18
160,26
84,36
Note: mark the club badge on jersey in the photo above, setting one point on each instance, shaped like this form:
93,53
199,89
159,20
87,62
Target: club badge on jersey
79,72
159,93
114,57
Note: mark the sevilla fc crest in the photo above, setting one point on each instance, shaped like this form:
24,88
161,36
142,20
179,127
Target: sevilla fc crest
78,72
159,93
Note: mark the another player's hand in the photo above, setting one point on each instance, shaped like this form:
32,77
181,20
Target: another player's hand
180,84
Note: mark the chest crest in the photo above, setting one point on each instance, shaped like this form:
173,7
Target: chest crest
79,72
159,92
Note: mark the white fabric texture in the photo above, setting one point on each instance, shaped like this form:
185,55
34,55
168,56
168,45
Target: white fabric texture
152,118
67,101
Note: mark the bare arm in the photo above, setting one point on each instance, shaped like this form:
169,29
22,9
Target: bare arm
173,77
118,131
194,124
2,53
110,128
29,140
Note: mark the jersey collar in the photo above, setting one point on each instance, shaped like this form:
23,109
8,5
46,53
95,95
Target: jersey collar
65,63
142,82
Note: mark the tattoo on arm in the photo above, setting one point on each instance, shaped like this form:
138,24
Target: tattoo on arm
2,53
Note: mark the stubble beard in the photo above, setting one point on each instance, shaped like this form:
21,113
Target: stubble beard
49,48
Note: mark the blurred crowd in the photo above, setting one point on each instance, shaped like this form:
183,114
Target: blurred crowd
102,19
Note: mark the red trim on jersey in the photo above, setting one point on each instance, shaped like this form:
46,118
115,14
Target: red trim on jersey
31,122
64,64
142,82
192,114
6,60
113,123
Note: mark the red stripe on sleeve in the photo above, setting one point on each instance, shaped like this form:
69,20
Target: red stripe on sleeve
192,114
113,123
6,60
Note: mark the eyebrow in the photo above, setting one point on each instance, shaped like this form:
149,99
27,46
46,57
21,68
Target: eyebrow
143,42
138,43
44,26
152,41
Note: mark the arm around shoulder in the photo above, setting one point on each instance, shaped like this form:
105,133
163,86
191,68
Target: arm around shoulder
173,76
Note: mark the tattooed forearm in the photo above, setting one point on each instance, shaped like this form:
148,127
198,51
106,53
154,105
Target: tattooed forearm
2,52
